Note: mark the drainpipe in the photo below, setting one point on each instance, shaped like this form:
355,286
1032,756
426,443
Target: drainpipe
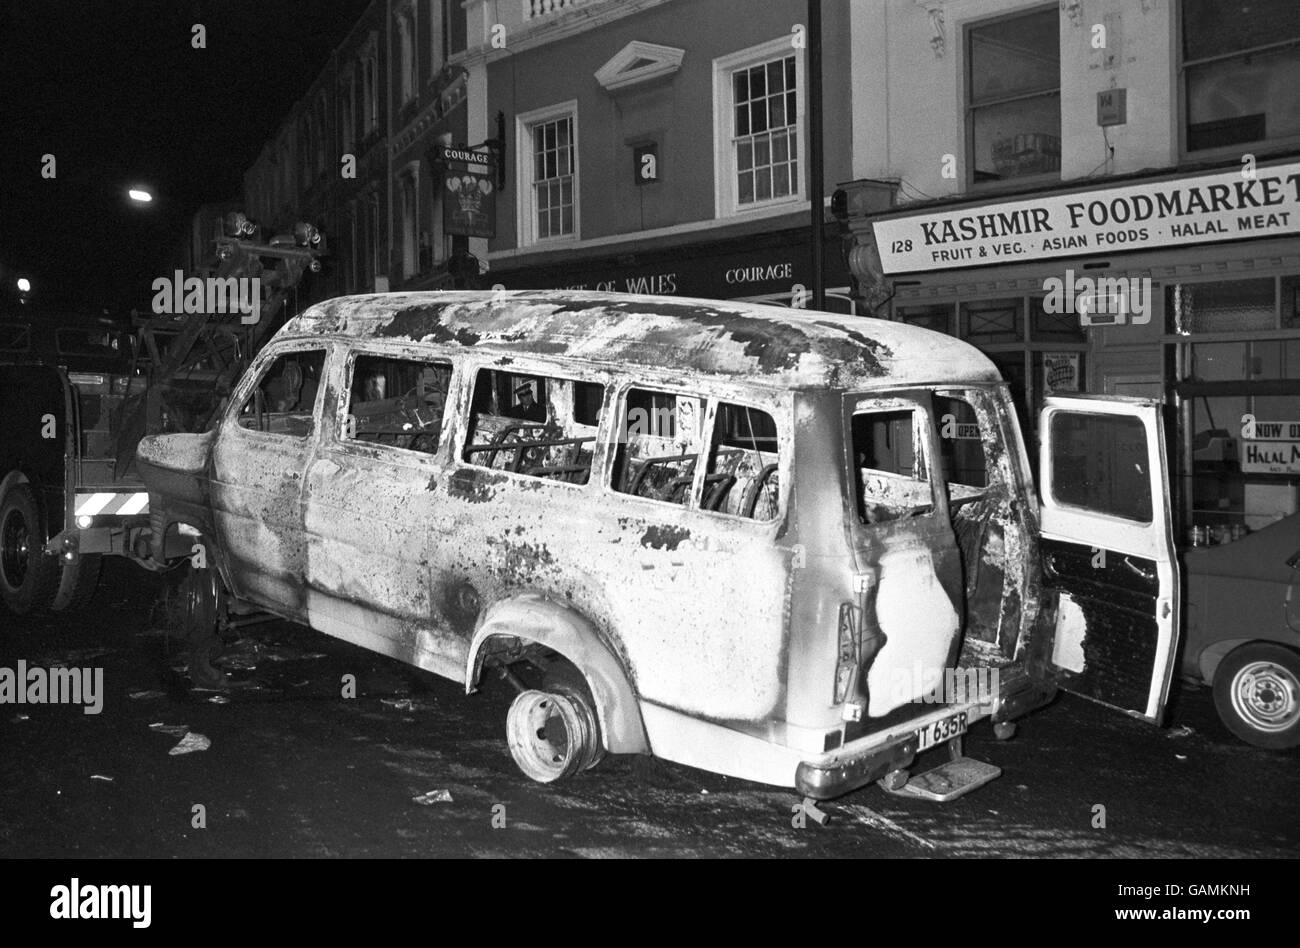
815,178
388,135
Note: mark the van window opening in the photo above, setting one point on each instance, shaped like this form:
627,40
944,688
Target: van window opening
659,445
284,399
743,477
397,402
538,426
891,474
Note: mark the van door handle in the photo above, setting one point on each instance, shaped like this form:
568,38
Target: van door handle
1133,567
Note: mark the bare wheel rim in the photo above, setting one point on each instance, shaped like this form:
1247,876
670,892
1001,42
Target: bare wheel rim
1266,696
550,735
15,550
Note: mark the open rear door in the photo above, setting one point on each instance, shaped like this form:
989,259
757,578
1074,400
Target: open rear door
1108,547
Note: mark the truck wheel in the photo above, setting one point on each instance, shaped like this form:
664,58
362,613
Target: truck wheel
27,576
552,735
78,581
1257,694
203,614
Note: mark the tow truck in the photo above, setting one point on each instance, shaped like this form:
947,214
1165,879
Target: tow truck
77,394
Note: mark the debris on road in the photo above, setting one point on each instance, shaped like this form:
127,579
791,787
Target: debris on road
175,730
401,704
192,741
145,695
18,718
1177,732
1180,756
101,777
218,699
432,797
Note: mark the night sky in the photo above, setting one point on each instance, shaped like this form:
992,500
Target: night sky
117,93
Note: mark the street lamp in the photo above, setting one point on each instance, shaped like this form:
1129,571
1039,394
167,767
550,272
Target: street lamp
24,285
139,195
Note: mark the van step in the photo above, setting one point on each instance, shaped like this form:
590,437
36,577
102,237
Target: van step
949,781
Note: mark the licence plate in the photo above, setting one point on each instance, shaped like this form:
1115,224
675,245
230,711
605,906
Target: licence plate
942,730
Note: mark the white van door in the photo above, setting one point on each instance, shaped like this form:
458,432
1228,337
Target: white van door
1108,548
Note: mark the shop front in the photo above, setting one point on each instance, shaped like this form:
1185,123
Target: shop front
774,267
1179,287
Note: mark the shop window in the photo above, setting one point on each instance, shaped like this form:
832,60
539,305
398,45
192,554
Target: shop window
961,443
1224,306
284,399
1240,69
985,322
659,445
1101,463
397,402
1011,365
529,424
1013,97
935,316
891,476
1291,302
1054,327
1058,373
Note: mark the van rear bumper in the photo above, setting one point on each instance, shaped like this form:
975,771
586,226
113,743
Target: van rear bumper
871,757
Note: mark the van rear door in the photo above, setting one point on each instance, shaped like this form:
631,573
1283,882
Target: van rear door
1108,548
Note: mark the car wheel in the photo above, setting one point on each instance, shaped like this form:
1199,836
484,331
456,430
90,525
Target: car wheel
28,577
78,581
552,735
1257,694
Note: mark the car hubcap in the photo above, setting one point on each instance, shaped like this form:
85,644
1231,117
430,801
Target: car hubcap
16,550
1266,696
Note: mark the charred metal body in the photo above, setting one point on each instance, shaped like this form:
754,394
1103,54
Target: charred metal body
741,529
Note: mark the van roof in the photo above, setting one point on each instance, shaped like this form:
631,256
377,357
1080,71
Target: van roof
770,346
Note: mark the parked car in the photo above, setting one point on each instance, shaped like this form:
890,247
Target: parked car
781,545
1243,631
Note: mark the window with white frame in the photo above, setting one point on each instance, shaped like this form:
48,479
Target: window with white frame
1013,96
758,127
548,172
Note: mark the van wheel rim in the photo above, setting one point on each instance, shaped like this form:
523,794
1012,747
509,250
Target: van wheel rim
550,735
15,550
1266,696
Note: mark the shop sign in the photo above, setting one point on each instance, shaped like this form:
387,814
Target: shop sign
1233,205
1060,372
718,276
469,198
469,204
1269,447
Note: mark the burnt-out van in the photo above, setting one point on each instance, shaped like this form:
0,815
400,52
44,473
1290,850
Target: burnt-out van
793,547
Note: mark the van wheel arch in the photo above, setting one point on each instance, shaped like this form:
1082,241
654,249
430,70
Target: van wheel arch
536,619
